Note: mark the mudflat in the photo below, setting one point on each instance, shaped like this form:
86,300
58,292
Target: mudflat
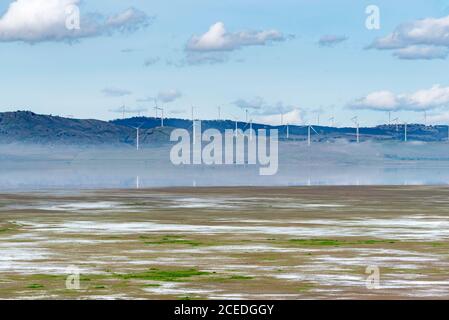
226,243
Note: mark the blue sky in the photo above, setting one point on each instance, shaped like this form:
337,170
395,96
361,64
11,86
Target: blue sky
268,60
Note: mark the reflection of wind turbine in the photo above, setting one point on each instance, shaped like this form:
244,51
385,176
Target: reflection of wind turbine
137,135
309,135
356,121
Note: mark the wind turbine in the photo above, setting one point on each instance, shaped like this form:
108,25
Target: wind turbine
309,136
162,115
397,125
332,120
193,125
356,121
219,113
288,131
137,135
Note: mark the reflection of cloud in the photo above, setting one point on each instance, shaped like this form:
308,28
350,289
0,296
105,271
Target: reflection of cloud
427,99
43,20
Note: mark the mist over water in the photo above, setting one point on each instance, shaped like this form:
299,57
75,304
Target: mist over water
25,168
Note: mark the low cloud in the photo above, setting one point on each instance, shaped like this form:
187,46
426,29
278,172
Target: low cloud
169,95
115,92
331,40
421,100
34,21
294,116
151,61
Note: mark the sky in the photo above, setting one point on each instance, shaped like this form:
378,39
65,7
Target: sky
310,60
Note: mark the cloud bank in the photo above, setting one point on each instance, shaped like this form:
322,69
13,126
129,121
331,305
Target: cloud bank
427,99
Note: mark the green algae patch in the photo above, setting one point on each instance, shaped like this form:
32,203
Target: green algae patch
305,287
336,243
238,277
164,275
174,240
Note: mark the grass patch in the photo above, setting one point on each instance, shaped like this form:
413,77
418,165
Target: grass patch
100,287
336,243
237,277
305,287
164,275
35,286
177,240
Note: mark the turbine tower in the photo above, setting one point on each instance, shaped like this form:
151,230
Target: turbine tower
137,136
309,134
162,115
356,121
405,132
332,120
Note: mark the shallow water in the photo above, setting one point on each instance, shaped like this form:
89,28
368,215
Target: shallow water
252,242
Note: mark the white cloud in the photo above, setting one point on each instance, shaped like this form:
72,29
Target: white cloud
421,100
255,104
115,92
417,39
217,38
331,40
294,116
421,52
45,20
169,95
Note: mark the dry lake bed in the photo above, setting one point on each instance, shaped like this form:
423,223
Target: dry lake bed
226,243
